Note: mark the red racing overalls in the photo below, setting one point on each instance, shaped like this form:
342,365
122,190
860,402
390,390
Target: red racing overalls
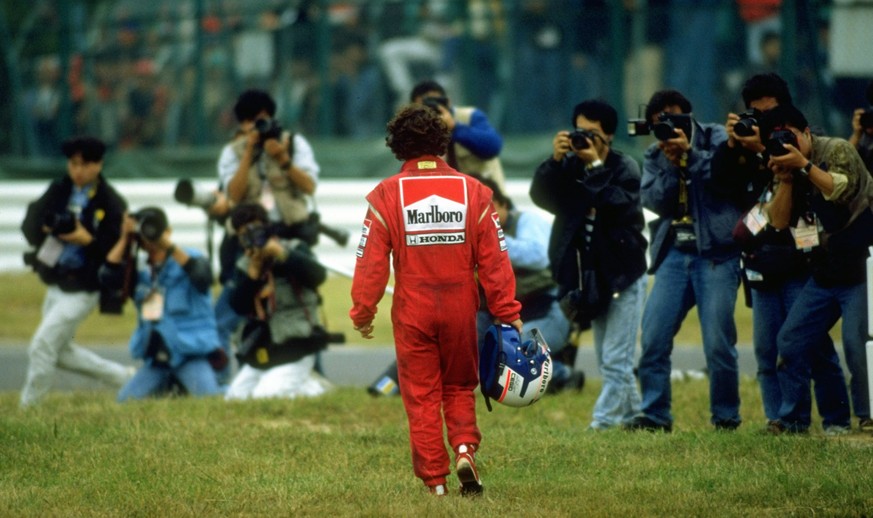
443,232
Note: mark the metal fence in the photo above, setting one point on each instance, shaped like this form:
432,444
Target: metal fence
164,74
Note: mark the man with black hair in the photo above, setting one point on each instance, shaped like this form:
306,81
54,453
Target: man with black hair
475,144
268,165
694,261
175,332
823,196
275,287
597,248
862,130
774,270
73,225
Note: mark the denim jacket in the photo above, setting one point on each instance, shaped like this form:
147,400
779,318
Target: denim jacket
713,210
188,321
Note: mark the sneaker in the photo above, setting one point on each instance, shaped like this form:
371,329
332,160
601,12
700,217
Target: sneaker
438,490
642,422
465,467
836,430
865,425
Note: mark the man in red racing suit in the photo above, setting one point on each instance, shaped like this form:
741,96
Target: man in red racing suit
443,231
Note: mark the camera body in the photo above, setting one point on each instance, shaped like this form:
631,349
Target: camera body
254,236
744,126
664,129
668,123
435,102
777,138
638,128
867,119
149,225
579,139
60,222
267,129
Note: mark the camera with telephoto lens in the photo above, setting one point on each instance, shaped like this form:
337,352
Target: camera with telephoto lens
579,139
668,123
744,126
268,128
150,224
435,102
187,193
255,235
867,119
774,144
60,222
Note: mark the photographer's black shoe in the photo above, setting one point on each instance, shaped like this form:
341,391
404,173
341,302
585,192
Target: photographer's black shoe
642,422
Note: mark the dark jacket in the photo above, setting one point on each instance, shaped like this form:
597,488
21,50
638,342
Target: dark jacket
770,257
102,218
569,191
292,328
713,211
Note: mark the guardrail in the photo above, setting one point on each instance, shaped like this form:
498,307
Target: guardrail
340,202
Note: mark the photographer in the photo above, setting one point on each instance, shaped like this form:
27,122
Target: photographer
175,331
475,144
774,270
823,195
694,260
862,130
597,248
268,165
73,225
274,286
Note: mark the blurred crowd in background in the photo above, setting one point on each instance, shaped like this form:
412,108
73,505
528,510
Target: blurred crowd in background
164,73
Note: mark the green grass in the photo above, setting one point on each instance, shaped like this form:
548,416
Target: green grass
347,454
23,294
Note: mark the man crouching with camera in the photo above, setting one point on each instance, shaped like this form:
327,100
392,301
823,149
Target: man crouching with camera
274,286
175,332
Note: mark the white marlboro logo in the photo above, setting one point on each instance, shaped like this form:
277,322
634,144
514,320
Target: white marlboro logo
434,203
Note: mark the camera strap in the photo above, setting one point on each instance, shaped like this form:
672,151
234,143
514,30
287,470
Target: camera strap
265,298
683,195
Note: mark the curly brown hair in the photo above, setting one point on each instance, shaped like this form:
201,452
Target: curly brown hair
417,130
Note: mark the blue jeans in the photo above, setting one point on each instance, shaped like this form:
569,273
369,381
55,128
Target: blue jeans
682,281
615,339
196,375
813,314
770,308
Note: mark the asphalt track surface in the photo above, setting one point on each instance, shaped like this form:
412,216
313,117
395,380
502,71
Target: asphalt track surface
343,365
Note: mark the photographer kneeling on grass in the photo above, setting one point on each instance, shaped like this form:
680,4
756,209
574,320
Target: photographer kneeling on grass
275,284
175,333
